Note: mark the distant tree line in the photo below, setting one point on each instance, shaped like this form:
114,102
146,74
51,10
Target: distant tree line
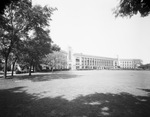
145,67
24,34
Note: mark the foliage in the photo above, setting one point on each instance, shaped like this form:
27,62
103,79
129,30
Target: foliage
132,7
5,3
13,27
145,67
55,47
35,49
51,58
23,32
55,60
38,42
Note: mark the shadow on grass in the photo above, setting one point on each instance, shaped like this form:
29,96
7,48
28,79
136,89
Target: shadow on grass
45,76
17,103
146,90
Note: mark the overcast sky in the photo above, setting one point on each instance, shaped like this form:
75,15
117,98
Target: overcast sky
89,27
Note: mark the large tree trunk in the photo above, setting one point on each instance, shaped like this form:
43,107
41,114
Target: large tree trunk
30,69
33,68
5,67
52,69
37,68
12,72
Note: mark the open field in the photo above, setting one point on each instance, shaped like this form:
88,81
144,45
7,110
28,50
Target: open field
77,94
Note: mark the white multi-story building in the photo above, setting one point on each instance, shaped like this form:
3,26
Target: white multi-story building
92,62
79,61
129,63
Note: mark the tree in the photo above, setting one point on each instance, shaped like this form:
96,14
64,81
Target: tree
145,67
55,47
52,58
18,20
132,7
16,55
35,49
5,3
13,26
38,43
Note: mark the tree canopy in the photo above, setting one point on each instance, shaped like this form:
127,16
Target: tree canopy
5,3
132,7
26,26
13,26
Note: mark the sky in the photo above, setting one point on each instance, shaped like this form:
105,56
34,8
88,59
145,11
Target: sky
90,27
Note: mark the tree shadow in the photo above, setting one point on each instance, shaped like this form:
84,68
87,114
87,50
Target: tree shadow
117,105
146,90
45,76
16,102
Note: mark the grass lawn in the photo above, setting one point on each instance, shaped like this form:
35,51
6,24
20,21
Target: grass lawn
18,100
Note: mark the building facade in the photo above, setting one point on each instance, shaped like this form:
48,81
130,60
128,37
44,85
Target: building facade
92,62
79,61
129,63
